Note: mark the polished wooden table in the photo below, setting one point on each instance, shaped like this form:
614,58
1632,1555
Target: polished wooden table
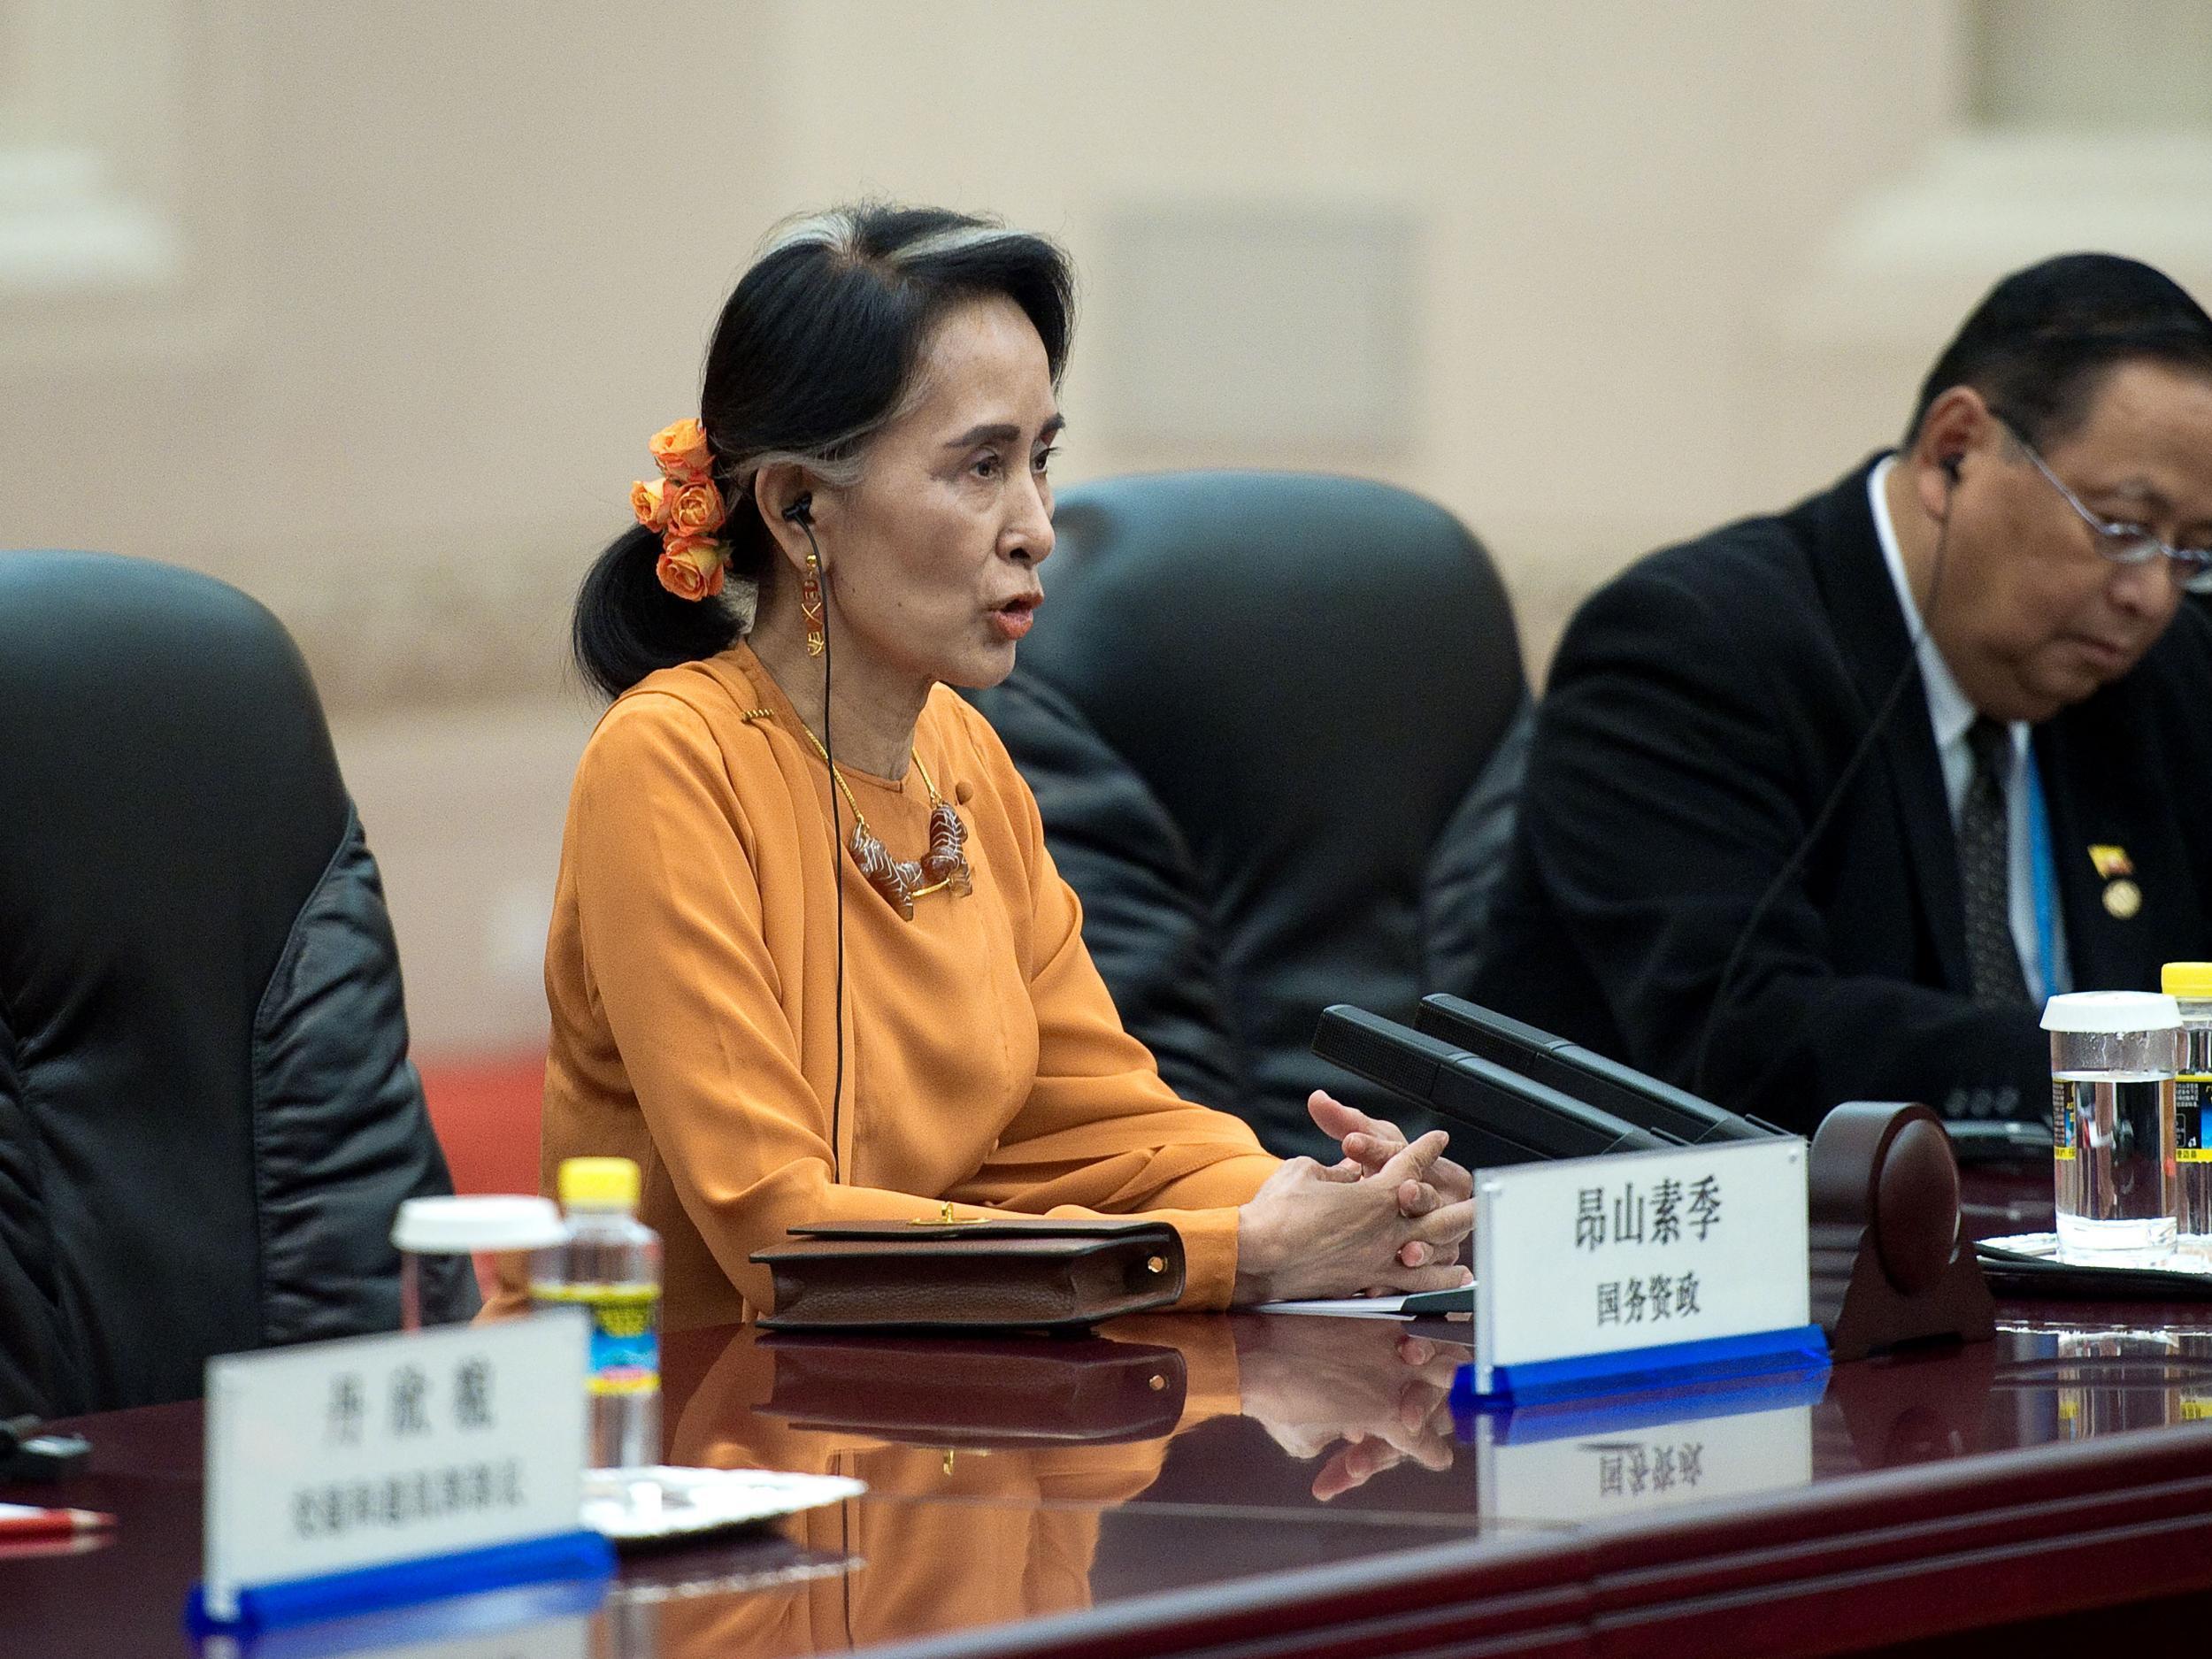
1268,1485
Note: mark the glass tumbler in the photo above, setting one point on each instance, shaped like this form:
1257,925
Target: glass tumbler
495,1231
2114,1054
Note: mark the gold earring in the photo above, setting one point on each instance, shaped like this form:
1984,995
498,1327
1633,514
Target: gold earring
811,604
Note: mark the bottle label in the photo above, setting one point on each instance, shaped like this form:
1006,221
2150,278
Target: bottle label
624,1357
2189,1101
2064,1128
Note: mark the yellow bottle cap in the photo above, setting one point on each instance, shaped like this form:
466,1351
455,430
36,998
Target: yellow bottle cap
2186,979
598,1184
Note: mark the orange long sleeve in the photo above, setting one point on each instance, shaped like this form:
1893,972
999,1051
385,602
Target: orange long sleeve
692,974
1008,1534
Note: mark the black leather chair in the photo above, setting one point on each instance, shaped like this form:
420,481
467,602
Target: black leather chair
1276,724
207,1113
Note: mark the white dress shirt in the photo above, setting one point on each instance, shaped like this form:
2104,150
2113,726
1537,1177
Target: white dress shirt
1951,715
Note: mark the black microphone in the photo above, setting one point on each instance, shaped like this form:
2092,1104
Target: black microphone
1795,861
1515,1119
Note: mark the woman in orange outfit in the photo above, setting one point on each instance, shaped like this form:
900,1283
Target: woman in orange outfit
809,959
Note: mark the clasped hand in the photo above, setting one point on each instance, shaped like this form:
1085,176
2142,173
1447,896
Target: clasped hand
1389,1216
1370,1398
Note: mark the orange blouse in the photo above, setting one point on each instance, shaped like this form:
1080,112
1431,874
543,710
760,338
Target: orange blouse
1008,1533
692,973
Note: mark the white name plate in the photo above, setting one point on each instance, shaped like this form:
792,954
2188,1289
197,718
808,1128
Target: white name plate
1586,1257
1629,1470
553,1639
335,1456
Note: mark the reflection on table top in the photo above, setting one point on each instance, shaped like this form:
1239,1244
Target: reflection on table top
1021,1479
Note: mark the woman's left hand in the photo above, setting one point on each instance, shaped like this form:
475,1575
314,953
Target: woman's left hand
1337,1386
1368,1143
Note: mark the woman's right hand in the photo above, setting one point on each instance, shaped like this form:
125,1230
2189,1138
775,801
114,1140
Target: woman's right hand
1313,1231
1348,1388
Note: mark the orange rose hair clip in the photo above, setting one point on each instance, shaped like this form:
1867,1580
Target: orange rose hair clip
684,506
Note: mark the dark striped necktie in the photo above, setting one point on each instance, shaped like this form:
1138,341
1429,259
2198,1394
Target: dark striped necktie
1986,867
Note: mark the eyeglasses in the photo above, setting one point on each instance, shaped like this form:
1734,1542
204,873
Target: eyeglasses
2126,543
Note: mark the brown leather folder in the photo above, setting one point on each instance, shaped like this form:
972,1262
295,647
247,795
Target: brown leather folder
1004,1274
999,1392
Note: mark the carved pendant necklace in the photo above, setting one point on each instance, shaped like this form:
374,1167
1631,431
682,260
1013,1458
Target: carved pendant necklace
902,881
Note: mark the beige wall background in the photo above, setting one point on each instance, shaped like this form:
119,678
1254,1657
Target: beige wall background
369,308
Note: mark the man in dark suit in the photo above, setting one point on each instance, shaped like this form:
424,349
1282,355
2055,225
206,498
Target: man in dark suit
1821,806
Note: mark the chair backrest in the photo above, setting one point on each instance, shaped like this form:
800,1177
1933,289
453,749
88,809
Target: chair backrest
1274,724
207,1113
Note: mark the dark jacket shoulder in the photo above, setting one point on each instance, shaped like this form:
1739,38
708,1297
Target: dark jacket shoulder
1760,586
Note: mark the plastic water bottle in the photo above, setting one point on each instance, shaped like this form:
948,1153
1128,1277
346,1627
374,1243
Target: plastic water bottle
609,1266
2190,985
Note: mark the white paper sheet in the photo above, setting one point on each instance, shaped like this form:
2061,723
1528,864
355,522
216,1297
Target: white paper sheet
1432,1301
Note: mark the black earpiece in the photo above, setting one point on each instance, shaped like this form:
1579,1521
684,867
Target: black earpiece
1907,674
801,512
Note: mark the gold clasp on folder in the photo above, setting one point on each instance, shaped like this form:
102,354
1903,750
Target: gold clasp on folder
944,1218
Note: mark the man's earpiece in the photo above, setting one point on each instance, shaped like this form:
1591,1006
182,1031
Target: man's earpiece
1908,674
801,510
